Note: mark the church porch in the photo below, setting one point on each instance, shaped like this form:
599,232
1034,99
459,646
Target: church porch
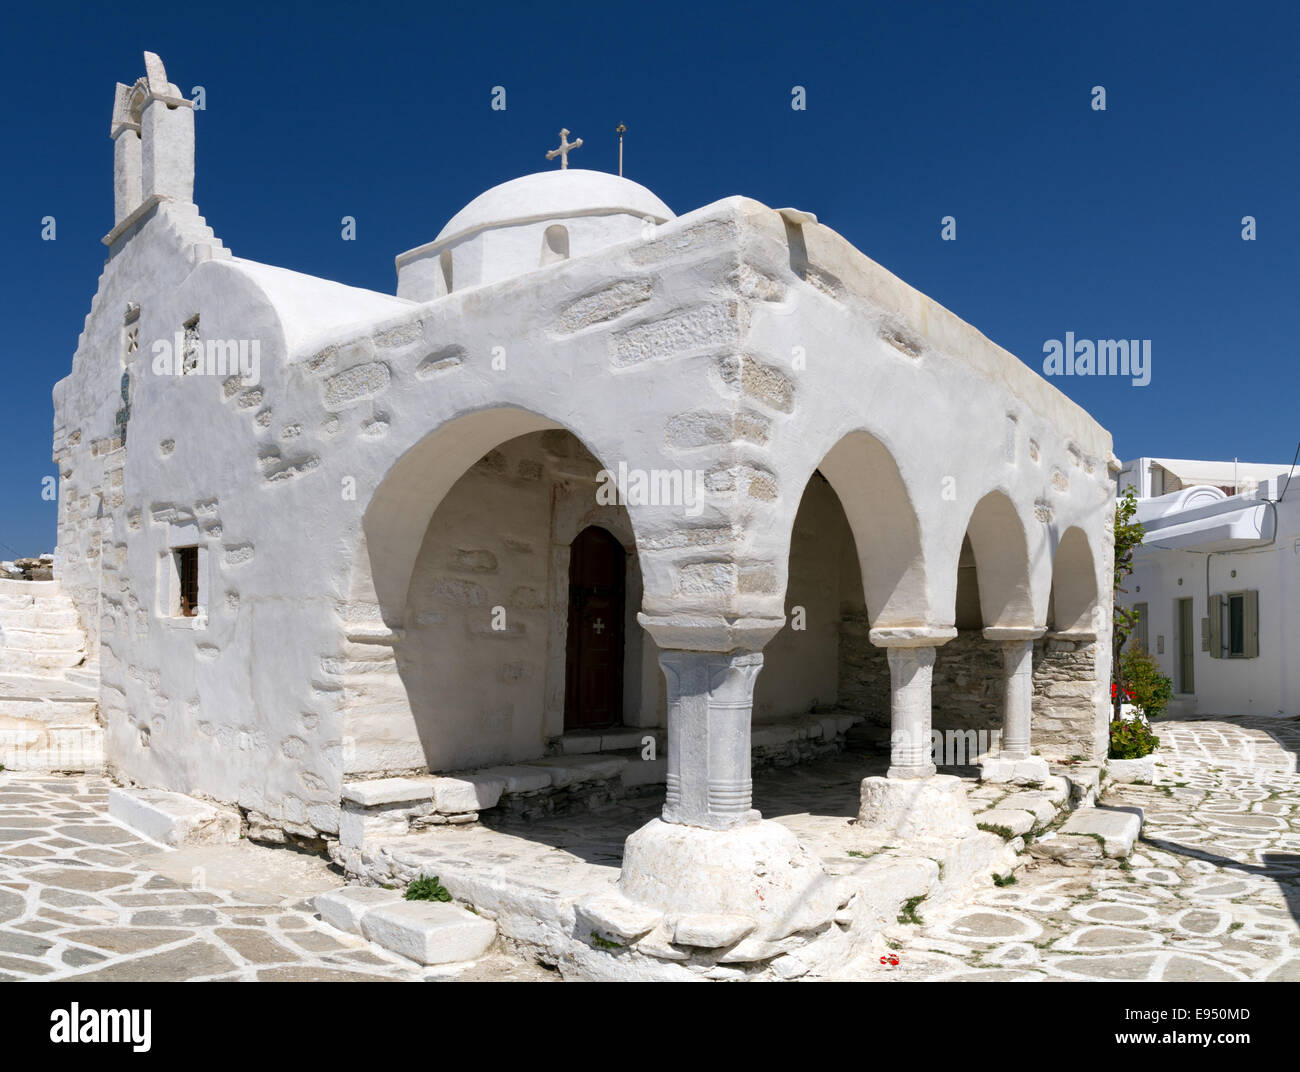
550,883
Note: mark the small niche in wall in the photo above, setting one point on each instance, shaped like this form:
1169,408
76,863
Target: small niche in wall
555,244
444,262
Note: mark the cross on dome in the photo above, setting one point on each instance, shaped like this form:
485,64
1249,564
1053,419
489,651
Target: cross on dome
565,148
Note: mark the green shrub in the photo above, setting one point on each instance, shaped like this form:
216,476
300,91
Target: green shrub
1131,739
1150,689
427,889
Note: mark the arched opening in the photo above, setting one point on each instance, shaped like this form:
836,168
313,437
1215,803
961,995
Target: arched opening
1074,586
996,537
555,244
1069,686
856,563
520,613
992,590
593,681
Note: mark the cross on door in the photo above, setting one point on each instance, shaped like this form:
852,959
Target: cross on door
598,625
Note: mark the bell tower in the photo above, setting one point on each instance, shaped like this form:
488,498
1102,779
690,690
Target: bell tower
153,142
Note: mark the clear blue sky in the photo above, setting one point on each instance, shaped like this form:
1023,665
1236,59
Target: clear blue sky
1122,223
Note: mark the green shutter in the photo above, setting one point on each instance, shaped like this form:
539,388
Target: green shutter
1250,625
1216,627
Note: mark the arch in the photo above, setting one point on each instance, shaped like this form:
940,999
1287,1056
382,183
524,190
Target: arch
402,505
555,244
1074,585
1001,549
886,532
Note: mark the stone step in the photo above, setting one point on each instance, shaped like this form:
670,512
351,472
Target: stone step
21,661
50,712
39,616
427,932
1091,836
23,638
29,590
52,748
173,818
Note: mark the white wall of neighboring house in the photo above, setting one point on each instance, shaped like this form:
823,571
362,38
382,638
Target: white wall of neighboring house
1201,544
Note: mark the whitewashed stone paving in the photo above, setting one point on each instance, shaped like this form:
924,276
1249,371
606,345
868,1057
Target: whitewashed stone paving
1211,892
82,897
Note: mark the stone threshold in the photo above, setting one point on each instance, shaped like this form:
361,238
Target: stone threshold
590,769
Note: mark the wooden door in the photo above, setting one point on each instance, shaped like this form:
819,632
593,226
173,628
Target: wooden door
593,686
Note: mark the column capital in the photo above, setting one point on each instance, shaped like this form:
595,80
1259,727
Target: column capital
912,636
1014,632
689,632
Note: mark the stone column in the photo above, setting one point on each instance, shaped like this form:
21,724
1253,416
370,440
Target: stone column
1017,697
710,703
1015,761
712,871
911,671
911,653
913,800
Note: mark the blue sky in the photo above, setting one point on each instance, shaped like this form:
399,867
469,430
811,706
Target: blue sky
1117,224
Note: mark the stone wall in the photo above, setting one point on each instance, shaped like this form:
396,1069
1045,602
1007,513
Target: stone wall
967,687
1065,683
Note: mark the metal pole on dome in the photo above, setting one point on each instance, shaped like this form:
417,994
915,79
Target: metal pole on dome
621,129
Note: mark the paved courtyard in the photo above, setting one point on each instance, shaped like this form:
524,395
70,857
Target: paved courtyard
1212,891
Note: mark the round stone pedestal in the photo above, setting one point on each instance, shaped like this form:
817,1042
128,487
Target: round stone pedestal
757,872
916,807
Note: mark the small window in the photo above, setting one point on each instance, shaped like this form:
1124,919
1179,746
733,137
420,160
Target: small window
1234,625
187,572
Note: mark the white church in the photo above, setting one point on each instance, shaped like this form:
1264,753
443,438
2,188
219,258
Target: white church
601,496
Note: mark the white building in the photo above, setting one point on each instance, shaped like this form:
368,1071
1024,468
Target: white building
1217,584
391,548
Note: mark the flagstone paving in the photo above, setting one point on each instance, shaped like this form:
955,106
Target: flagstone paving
1212,891
82,897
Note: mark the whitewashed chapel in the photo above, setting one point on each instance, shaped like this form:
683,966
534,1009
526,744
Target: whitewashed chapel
368,566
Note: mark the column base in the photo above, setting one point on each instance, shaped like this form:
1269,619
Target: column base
916,807
905,773
757,876
1026,770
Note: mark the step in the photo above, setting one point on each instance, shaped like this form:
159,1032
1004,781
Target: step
26,639
40,616
50,712
173,818
52,748
1092,835
20,661
429,932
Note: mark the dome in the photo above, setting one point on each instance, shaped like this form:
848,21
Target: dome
562,194
527,224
